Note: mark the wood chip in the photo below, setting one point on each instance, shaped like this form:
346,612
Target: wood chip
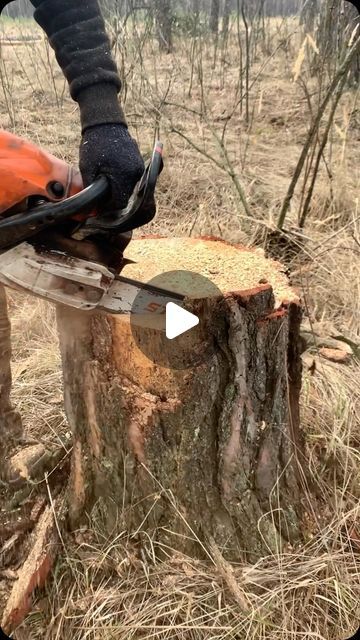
21,464
335,355
33,573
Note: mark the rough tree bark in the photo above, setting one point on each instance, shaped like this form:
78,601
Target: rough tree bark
163,21
214,16
226,17
210,452
10,421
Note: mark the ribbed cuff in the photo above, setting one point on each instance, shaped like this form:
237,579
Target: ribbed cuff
99,104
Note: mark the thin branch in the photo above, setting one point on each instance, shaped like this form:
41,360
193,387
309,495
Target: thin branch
342,71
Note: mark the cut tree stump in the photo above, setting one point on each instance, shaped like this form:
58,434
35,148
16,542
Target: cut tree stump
209,453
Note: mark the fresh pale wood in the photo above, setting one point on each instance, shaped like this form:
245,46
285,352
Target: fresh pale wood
230,267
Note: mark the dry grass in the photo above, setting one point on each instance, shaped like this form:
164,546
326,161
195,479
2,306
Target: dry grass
109,593
105,588
36,367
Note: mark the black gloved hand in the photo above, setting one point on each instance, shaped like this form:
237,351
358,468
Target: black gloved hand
108,149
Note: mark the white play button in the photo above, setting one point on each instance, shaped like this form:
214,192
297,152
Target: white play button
178,320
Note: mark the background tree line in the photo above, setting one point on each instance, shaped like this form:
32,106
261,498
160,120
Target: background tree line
328,19
327,15
23,8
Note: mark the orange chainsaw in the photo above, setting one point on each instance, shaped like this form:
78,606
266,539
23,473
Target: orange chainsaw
39,195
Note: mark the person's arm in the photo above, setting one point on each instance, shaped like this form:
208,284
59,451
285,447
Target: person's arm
76,31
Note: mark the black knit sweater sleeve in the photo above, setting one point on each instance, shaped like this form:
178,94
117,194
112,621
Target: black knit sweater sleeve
76,31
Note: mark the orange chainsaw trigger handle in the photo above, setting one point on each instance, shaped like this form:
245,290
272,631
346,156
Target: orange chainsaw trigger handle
26,170
59,196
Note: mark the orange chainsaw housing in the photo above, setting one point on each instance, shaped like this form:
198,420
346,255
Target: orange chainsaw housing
26,170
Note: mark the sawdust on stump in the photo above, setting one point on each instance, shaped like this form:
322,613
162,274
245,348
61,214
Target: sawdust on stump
231,268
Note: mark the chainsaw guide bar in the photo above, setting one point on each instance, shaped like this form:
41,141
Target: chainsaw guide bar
77,283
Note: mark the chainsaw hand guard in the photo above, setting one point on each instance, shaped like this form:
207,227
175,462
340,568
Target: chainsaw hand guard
141,206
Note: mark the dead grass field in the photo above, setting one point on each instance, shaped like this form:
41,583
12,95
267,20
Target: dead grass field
113,588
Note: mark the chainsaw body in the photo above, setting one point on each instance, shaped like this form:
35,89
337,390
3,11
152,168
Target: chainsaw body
39,193
29,176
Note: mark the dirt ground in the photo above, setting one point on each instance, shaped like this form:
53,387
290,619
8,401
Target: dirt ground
103,588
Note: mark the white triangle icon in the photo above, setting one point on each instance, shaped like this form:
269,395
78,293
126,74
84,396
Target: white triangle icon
178,320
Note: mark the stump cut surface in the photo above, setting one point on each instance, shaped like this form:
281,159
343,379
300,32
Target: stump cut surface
231,268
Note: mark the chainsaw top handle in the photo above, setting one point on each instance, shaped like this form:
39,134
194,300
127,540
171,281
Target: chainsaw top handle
21,226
